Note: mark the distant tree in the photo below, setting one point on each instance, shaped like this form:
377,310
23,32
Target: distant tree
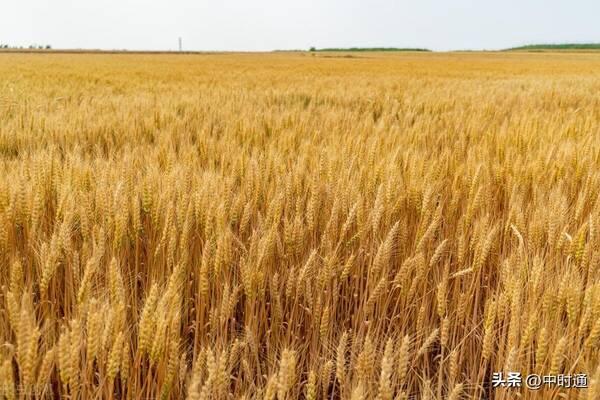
313,49
48,47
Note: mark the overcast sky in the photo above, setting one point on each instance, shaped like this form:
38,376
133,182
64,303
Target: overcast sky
296,24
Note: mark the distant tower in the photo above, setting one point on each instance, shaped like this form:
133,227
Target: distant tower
180,46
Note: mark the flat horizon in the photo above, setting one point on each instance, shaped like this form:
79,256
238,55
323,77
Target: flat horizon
532,46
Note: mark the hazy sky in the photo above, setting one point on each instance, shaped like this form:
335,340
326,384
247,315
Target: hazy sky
295,24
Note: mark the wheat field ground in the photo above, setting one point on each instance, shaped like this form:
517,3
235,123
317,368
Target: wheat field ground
298,226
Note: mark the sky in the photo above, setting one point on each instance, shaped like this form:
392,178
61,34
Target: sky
263,25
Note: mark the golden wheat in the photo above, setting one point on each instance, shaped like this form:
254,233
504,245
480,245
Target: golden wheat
282,226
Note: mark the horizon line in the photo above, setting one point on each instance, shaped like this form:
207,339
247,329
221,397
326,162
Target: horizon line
531,47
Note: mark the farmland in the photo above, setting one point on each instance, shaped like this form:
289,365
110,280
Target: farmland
297,225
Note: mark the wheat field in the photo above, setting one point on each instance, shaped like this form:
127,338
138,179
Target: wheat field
297,226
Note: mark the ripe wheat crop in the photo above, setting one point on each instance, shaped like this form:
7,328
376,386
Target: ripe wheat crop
296,226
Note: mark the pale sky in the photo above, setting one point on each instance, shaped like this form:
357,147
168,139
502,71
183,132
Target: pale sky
251,25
